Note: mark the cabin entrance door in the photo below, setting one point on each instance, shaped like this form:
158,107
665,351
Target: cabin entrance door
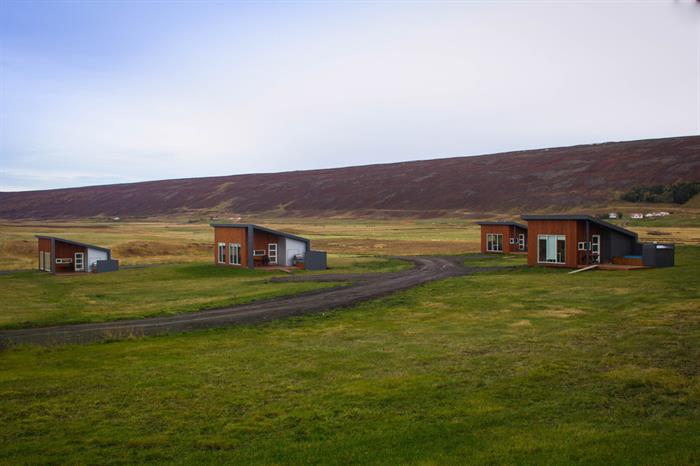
79,262
595,248
272,253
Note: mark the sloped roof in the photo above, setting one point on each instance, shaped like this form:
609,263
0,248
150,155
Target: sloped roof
75,243
597,221
505,223
261,228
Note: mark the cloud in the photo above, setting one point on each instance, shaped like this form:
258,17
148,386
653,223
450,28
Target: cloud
259,88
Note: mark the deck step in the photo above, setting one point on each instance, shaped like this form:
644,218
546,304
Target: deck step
590,267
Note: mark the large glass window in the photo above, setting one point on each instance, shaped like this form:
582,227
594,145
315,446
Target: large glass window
234,254
551,249
494,242
222,253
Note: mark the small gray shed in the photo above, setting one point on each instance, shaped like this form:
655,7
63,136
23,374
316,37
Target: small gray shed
315,260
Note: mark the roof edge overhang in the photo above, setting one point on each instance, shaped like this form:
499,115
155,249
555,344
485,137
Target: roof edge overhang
74,243
505,223
260,228
588,218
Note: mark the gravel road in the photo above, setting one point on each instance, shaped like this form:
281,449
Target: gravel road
363,287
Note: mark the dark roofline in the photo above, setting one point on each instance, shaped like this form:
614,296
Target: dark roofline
506,223
597,221
76,243
261,228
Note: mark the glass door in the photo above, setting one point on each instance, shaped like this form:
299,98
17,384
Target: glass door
595,248
79,262
272,252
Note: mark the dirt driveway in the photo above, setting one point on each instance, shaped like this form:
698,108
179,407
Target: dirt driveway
363,287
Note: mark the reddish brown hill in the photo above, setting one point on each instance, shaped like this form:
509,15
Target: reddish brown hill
559,178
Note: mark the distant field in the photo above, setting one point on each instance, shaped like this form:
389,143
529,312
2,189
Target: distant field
167,242
158,242
526,366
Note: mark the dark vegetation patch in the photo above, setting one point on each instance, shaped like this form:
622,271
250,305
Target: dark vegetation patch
676,193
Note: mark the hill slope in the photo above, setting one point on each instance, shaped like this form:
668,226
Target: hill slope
559,178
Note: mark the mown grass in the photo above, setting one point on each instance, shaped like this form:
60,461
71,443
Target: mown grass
528,366
495,260
38,298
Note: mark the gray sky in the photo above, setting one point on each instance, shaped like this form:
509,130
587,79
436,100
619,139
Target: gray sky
94,93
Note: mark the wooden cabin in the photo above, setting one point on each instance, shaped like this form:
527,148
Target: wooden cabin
60,255
248,245
503,237
581,240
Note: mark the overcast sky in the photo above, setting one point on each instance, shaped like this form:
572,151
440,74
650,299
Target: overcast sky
98,92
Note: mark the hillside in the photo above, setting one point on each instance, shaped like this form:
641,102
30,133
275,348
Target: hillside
554,179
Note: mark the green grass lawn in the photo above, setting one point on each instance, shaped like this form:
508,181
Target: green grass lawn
528,366
495,260
38,298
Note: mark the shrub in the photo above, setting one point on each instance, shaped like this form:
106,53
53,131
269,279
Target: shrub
677,193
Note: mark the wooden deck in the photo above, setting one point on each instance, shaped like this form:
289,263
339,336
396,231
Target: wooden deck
627,261
620,267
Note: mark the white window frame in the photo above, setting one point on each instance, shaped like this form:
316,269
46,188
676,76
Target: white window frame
269,252
521,241
258,252
595,248
221,253
556,239
491,239
234,254
80,268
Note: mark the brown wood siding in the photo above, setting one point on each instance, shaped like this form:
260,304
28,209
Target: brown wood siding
231,235
67,251
507,231
43,245
262,238
593,229
517,231
568,228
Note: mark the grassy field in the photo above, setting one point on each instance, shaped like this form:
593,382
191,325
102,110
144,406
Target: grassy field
168,242
36,298
527,366
158,242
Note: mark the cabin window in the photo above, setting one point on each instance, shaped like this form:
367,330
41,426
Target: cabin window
494,242
234,254
551,249
521,241
259,252
222,253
